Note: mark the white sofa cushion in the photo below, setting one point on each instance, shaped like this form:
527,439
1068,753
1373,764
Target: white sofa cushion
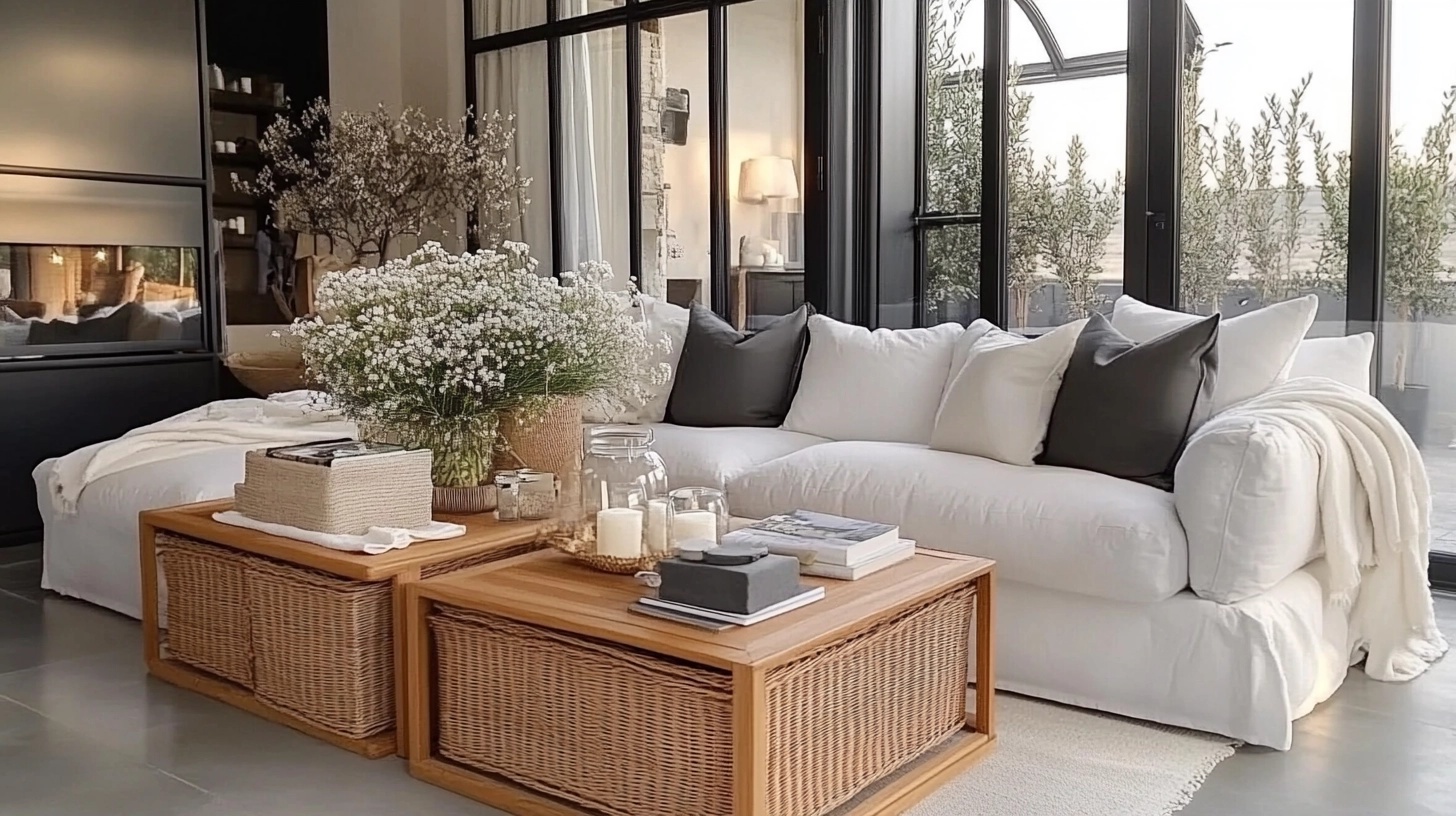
1342,359
882,385
1058,528
1246,492
1254,349
999,403
708,457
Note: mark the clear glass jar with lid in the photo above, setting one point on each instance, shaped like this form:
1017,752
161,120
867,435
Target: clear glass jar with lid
620,474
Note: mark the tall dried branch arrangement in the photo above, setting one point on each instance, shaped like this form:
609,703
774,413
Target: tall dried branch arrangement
365,179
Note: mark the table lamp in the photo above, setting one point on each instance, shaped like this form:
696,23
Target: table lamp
768,180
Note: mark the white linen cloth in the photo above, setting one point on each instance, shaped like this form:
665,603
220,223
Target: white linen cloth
290,418
1375,518
377,540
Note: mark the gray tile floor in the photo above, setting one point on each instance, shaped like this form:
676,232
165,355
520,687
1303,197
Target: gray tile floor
1441,468
83,732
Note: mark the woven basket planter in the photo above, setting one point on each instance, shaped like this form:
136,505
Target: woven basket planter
551,443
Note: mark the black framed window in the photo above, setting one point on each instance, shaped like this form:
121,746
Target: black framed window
672,141
1022,122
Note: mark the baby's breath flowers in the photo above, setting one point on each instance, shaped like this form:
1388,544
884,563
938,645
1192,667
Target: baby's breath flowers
434,346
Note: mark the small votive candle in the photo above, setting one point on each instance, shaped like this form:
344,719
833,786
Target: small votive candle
619,532
695,524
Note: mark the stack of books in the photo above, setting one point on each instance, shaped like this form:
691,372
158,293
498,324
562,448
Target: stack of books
831,546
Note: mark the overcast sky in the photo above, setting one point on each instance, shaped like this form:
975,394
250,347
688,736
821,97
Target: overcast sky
1272,45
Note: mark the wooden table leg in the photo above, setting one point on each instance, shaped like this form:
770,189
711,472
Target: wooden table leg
750,742
415,727
401,657
986,654
151,626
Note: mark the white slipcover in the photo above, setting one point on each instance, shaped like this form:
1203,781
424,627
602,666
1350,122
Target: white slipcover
1246,492
93,554
1246,670
1057,528
709,457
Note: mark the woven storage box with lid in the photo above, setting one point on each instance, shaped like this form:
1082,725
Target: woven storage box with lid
345,498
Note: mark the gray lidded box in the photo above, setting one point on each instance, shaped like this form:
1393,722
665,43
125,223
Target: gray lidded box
742,589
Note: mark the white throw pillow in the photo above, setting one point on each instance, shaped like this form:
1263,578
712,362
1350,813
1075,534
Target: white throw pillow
999,403
872,386
663,320
1254,349
1343,359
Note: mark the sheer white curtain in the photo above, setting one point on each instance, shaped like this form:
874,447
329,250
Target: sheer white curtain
594,163
514,81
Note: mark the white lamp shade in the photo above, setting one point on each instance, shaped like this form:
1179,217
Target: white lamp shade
767,177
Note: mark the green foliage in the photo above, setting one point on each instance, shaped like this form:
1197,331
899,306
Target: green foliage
1057,224
1247,221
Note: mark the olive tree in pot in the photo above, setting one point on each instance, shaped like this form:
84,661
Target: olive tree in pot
1420,215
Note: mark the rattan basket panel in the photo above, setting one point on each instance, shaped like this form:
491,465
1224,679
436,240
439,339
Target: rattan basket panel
616,730
856,710
324,648
207,607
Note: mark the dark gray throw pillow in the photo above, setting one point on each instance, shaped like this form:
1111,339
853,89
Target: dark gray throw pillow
727,378
1126,409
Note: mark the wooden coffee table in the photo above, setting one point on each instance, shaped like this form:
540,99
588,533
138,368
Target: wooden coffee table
534,689
286,633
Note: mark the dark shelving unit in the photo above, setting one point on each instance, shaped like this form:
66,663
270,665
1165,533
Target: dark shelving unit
234,116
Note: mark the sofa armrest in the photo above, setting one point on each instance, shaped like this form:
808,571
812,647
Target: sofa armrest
1246,490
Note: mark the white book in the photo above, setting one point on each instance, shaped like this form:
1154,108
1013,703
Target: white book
832,539
804,598
903,551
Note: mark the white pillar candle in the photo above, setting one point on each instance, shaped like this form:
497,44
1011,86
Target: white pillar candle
657,526
619,532
695,524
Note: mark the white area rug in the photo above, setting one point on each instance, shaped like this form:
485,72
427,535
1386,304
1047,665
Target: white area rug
1052,760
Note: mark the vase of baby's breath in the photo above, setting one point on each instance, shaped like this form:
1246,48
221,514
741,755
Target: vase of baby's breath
433,349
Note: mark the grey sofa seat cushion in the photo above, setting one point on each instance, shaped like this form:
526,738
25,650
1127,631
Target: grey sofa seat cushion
1126,409
727,378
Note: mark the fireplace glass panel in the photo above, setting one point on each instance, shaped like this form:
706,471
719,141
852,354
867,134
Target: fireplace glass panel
53,297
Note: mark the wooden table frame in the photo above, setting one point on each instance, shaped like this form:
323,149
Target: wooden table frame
897,793
401,567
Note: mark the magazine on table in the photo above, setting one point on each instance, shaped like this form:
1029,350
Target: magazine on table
834,540
334,450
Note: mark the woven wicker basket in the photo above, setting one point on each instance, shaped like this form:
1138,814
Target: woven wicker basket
312,644
626,732
207,607
324,647
615,730
551,443
268,372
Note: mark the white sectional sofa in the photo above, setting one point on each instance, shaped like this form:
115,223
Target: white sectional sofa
1204,607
